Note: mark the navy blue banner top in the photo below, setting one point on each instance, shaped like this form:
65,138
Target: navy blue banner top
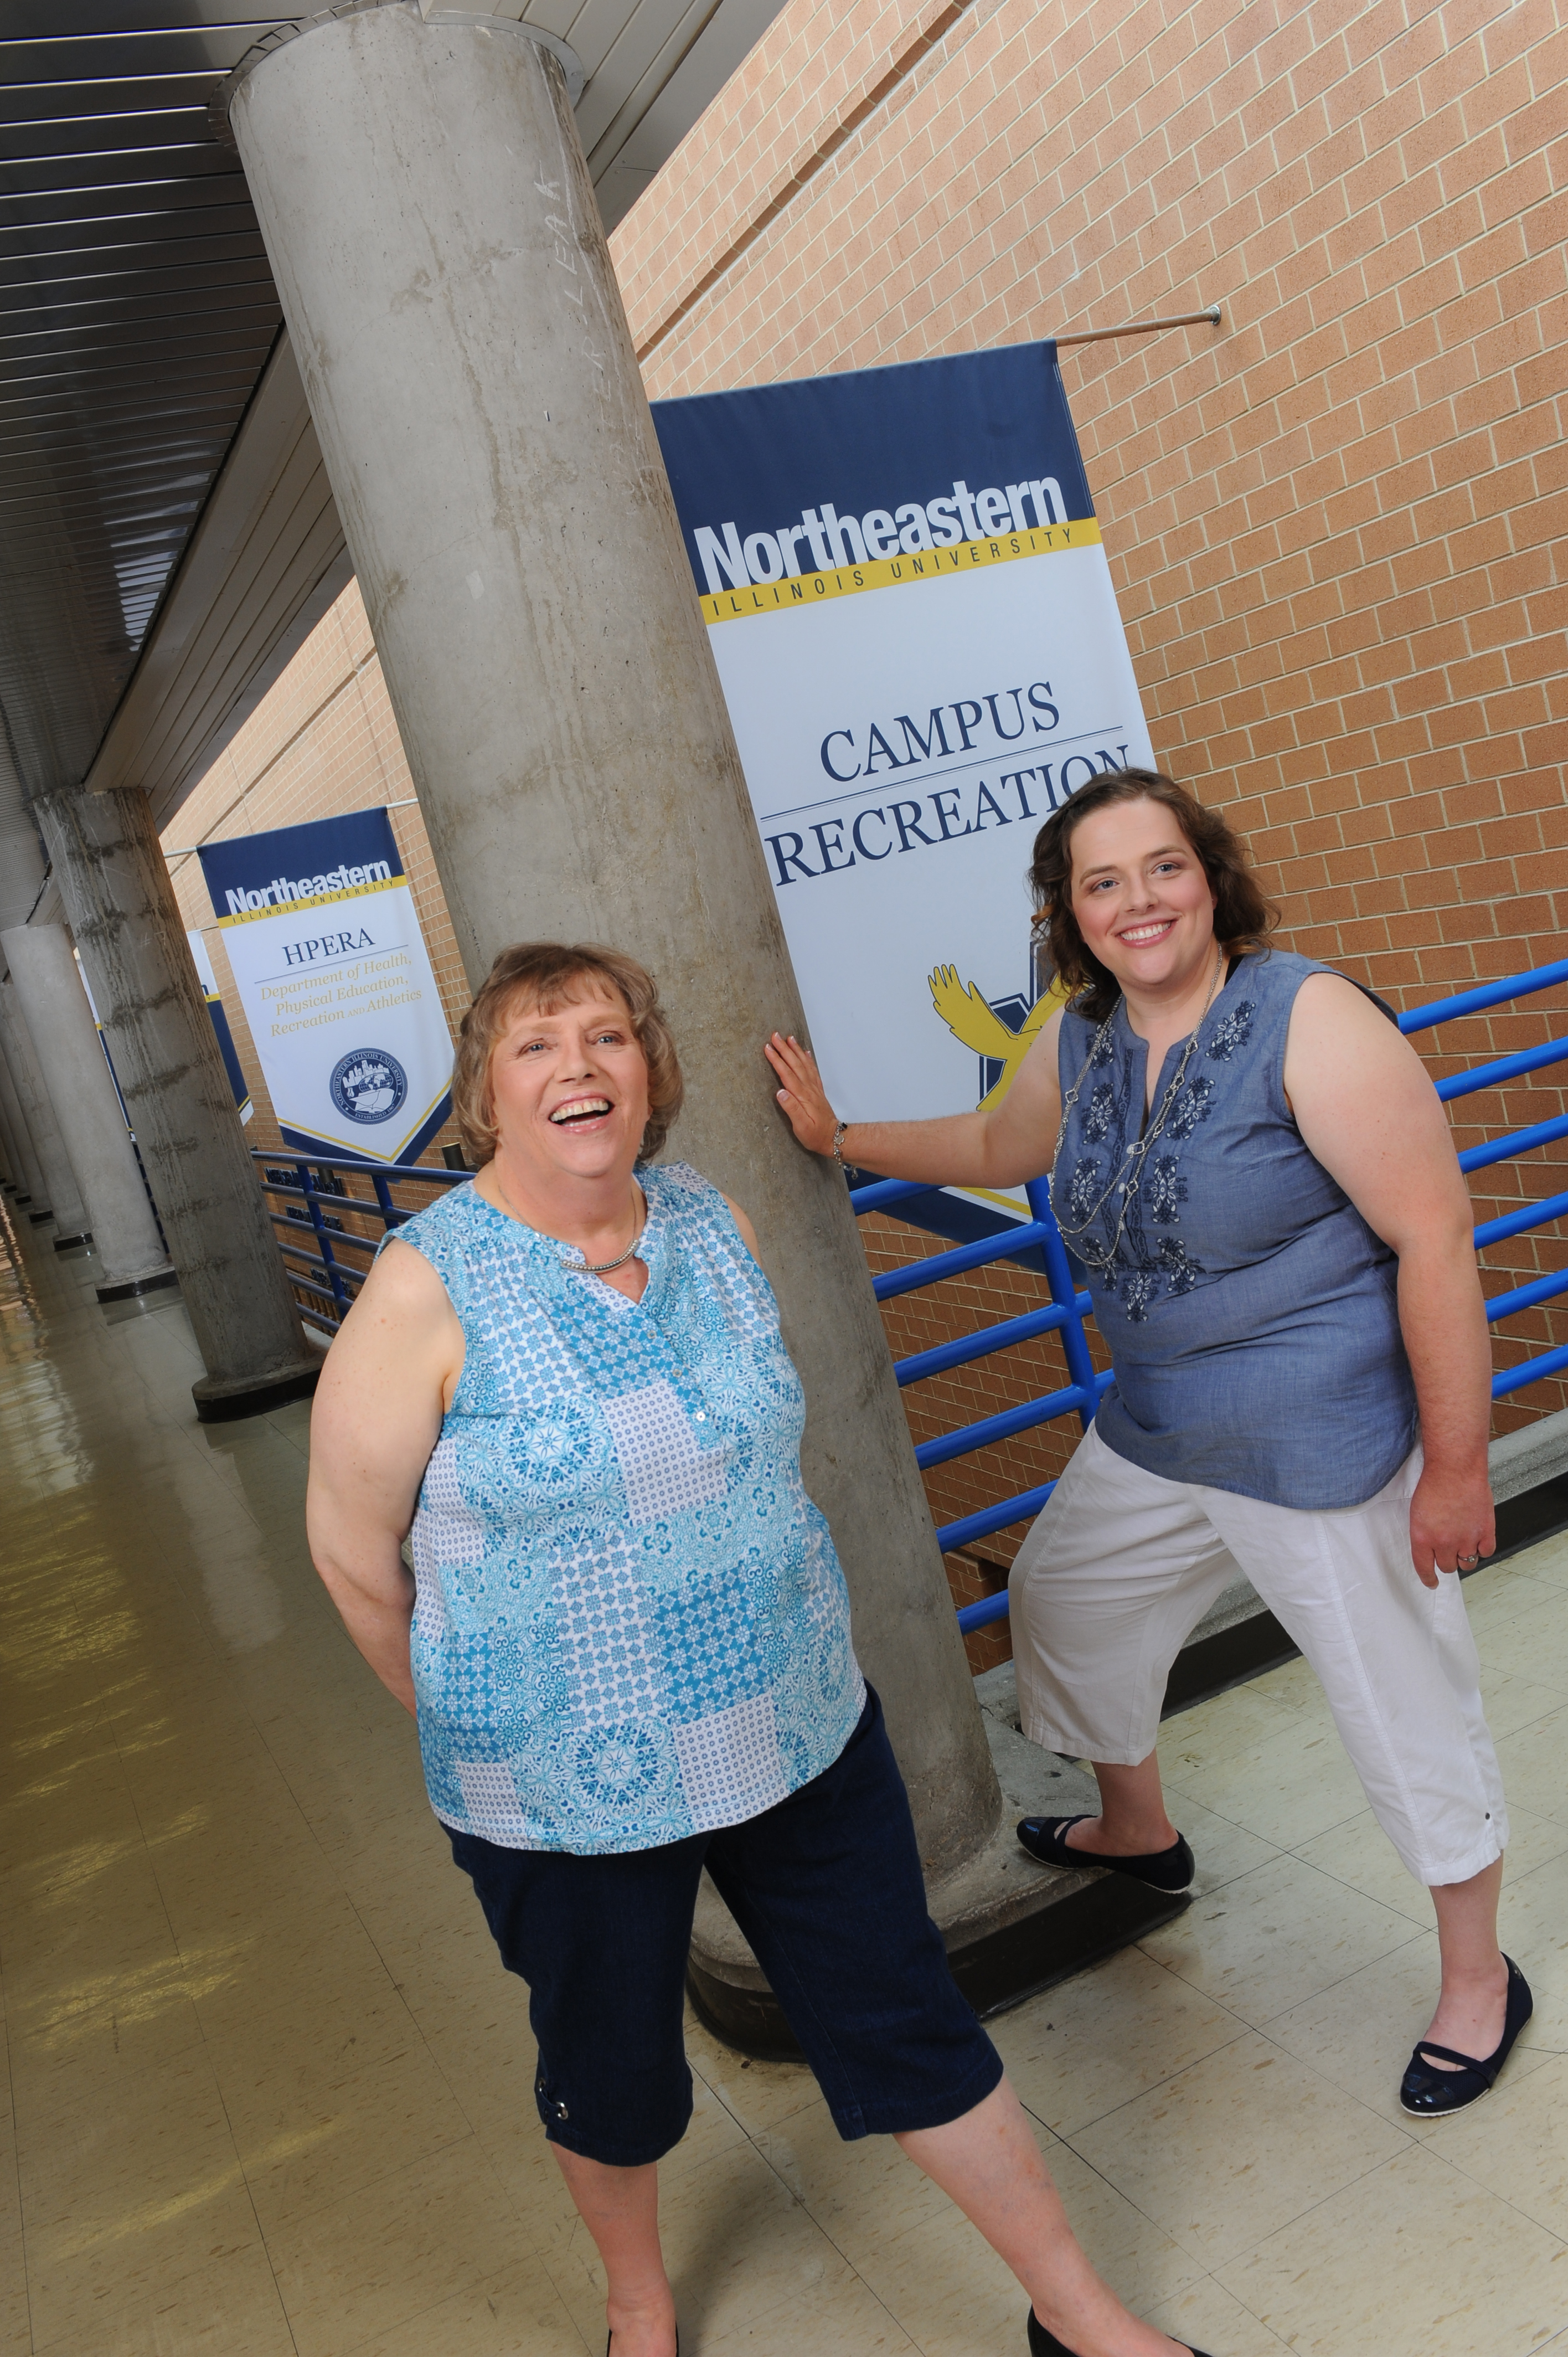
321,860
835,470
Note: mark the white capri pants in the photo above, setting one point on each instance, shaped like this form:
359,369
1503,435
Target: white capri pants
1122,1564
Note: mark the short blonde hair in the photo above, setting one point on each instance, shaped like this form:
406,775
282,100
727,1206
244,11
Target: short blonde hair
544,974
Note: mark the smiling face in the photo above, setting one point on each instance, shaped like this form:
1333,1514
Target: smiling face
569,1089
1140,898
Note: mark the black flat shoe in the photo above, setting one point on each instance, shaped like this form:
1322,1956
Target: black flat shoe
1162,1869
1430,2094
1046,2344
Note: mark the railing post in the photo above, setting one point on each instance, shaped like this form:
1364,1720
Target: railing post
329,1260
1064,1293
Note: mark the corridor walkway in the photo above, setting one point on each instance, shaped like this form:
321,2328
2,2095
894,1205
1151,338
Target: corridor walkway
271,2091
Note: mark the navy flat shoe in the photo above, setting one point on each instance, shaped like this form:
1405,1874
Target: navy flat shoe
1162,1869
1046,2344
1432,2094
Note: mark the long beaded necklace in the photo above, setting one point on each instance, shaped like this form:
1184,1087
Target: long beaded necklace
1102,1258
585,1267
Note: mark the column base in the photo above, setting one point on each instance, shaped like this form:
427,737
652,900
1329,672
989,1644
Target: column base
73,1243
252,1395
139,1284
1012,1926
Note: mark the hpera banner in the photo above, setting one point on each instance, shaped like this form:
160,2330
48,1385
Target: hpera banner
207,977
333,974
916,630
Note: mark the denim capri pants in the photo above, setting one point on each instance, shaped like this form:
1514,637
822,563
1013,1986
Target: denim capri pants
826,1886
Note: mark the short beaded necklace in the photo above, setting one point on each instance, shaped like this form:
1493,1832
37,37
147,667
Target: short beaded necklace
1102,1259
585,1267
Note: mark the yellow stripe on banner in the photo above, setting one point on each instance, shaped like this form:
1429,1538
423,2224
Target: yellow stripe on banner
884,572
318,900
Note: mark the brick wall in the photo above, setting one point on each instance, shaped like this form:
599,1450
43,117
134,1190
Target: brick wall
1333,525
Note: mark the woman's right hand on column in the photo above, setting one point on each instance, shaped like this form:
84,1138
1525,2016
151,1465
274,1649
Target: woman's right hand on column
802,1097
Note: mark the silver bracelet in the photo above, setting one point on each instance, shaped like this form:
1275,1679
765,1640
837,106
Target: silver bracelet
838,1143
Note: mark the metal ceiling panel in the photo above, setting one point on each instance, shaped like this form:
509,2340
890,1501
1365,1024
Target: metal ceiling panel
165,526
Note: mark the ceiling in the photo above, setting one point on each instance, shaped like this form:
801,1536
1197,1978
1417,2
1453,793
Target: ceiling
145,385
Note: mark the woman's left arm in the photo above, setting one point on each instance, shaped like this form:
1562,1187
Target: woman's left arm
1367,1112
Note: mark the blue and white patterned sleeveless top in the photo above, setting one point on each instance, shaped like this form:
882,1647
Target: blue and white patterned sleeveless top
1251,1311
632,1625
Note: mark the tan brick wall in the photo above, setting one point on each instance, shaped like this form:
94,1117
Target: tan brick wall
1334,526
1331,524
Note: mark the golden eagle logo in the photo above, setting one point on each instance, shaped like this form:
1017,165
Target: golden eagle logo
977,1025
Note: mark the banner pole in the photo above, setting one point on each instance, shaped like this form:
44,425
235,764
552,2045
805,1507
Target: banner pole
1209,318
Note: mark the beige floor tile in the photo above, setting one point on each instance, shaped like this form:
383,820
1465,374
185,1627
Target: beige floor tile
1516,1700
1274,1937
158,2141
1233,2149
743,2254
1533,1923
1532,1645
517,2312
1515,2140
1238,1720
1206,2316
759,2094
311,2130
1221,1850
1459,2274
1495,1595
1294,1785
367,2265
1093,2043
160,2273
227,2308
16,2323
1361,1854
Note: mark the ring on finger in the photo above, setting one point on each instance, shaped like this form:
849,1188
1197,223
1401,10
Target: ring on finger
1467,1562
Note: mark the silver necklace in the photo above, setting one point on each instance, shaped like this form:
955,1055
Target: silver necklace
1102,1258
585,1267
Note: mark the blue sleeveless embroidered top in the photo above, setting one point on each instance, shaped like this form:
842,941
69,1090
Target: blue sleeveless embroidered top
1251,1311
632,1625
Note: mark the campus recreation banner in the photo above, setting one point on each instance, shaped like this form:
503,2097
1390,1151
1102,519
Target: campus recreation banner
333,974
914,623
226,1047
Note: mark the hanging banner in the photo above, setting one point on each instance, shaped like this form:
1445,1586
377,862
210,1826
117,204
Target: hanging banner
915,628
332,971
214,997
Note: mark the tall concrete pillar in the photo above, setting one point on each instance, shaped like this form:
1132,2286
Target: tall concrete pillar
116,884
24,1163
124,1232
62,1192
426,209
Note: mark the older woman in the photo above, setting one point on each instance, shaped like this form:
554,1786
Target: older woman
627,1642
1257,1176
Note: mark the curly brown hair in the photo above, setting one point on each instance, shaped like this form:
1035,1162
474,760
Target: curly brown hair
546,975
1243,917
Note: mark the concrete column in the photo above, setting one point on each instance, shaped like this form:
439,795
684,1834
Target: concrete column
426,209
61,1192
24,1165
116,884
124,1232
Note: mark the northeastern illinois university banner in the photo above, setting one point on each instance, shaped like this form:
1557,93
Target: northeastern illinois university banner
914,627
332,970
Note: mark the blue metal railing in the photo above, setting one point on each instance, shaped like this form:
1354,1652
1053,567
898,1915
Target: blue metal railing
1070,1308
317,1193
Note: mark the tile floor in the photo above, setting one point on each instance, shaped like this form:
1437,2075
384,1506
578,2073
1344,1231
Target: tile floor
268,2090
